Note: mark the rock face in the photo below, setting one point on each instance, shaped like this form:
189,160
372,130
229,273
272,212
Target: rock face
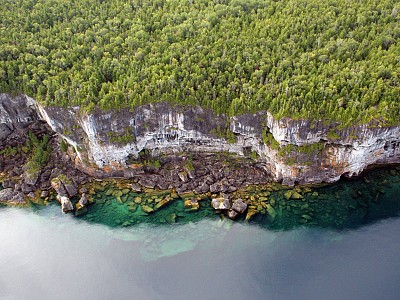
16,114
19,116
106,143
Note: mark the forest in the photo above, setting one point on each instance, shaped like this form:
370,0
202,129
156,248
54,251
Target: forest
333,60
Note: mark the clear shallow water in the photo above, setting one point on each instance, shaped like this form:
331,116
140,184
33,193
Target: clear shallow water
348,249
344,205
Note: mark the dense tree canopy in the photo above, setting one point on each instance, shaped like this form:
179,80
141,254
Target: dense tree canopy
333,59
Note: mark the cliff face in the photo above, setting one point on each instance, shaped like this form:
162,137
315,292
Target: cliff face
16,115
308,153
346,152
23,176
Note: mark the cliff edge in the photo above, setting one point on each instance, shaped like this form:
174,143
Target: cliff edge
117,143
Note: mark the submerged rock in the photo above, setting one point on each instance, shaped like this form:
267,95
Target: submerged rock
250,214
192,204
271,211
132,206
296,195
147,209
81,211
171,218
162,203
307,217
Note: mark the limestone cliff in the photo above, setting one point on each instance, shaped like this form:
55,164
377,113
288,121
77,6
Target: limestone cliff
308,152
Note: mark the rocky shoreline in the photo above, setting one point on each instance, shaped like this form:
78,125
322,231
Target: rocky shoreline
196,175
56,154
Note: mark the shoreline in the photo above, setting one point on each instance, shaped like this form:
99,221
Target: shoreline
48,151
261,201
345,204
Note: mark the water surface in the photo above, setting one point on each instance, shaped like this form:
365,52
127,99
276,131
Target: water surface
348,248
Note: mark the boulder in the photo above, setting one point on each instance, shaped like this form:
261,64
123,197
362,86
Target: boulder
174,195
250,214
162,185
117,193
5,131
83,190
147,183
191,173
81,211
71,189
271,211
25,188
30,179
66,204
31,195
183,176
19,198
220,203
192,204
10,196
136,188
44,194
202,189
296,195
58,186
288,195
7,194
184,188
147,209
163,202
171,218
219,187
239,205
8,184
231,189
82,202
232,214
214,188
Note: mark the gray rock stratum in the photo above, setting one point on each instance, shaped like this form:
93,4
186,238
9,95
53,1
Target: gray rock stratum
107,143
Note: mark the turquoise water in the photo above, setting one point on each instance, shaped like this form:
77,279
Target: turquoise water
347,248
346,204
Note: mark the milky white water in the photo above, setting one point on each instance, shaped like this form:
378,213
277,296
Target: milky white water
46,255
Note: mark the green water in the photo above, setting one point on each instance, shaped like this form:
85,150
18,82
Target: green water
345,204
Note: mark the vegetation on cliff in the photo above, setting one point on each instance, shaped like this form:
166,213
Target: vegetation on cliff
40,153
334,59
